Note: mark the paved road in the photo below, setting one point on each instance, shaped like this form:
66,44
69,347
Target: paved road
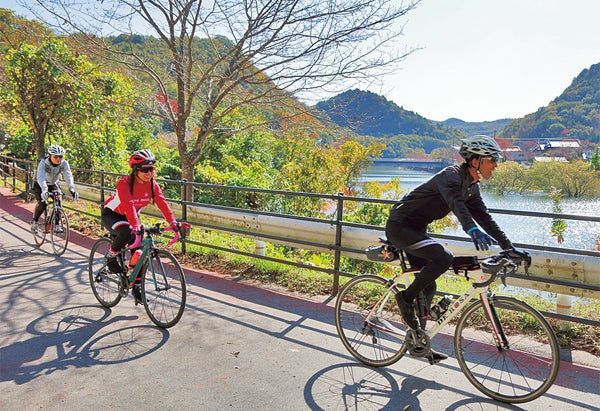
237,347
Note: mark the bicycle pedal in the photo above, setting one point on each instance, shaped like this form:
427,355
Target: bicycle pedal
435,357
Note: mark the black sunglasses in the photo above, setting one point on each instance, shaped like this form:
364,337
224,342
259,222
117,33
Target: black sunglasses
57,156
147,169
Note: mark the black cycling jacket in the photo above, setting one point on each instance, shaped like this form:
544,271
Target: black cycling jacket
451,189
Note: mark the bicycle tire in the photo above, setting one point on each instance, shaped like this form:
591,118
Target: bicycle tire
39,234
164,294
519,373
105,284
372,343
59,231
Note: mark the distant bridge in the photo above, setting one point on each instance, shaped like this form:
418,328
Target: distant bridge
425,165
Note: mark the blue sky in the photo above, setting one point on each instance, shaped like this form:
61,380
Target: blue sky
487,59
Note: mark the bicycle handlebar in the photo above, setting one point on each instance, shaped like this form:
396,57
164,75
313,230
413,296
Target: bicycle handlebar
503,265
54,195
157,229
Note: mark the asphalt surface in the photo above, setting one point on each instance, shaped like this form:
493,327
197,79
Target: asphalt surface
237,347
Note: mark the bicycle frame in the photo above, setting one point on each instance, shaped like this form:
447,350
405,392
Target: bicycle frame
148,247
453,310
52,206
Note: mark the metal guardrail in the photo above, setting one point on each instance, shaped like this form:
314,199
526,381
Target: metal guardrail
564,271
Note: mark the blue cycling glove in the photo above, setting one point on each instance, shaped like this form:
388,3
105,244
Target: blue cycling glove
481,240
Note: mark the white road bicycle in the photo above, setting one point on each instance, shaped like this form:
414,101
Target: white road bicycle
505,347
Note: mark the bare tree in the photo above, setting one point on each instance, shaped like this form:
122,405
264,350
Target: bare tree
259,52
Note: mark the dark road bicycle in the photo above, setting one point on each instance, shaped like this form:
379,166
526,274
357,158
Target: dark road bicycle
505,347
162,289
55,223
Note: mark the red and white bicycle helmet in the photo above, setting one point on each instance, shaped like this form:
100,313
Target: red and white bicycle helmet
141,158
479,146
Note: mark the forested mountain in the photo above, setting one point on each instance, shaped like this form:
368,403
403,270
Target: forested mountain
573,114
374,117
489,128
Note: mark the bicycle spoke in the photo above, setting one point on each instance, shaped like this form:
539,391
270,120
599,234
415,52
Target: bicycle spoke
519,372
59,231
164,293
105,285
39,232
369,325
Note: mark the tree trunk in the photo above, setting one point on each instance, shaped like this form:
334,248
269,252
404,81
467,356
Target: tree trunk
38,143
187,174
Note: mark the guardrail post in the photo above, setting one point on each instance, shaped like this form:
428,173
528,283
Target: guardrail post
29,181
563,306
14,176
338,244
184,213
101,190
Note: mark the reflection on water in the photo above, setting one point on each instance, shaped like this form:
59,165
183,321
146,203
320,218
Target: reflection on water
410,178
525,230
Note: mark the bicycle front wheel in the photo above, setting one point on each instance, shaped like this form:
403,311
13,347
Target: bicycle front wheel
105,284
59,231
368,321
39,232
164,289
519,369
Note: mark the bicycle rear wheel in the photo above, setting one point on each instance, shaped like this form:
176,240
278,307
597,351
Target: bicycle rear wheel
368,321
39,232
518,371
105,284
164,289
59,231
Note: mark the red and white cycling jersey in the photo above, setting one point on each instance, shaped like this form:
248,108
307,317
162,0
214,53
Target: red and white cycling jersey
130,202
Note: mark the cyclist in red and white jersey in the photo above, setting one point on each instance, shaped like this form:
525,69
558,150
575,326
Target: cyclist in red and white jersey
135,191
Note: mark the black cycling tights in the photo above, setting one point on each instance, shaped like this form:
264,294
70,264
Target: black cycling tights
435,260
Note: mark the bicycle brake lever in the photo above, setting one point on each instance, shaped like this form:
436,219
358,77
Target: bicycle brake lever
503,277
175,238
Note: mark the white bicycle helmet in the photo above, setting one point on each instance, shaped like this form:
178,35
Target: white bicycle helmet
479,146
56,150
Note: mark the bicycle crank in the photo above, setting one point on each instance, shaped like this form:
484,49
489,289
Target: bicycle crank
123,286
418,343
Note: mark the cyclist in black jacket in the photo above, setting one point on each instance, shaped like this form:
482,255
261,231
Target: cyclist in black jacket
455,189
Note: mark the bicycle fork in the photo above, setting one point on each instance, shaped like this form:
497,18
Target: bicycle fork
498,332
161,272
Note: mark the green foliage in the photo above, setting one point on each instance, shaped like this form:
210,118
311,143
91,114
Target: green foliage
573,179
559,226
509,177
64,99
595,160
374,213
20,145
39,87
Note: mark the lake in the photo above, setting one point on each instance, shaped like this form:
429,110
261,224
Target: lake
525,230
